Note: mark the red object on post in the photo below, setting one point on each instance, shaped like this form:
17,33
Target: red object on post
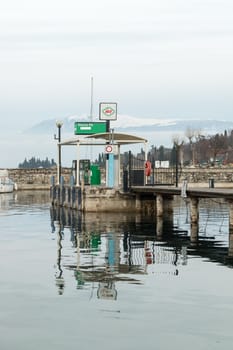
148,168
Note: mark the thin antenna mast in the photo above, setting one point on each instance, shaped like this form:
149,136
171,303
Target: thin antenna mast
91,115
91,111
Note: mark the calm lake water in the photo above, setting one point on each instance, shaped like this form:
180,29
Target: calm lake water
104,281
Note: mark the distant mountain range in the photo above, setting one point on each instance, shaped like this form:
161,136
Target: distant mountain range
38,141
128,124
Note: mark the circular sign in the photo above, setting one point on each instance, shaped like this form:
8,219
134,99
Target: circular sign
107,111
108,149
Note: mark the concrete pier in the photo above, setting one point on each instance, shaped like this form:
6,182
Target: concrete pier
94,199
194,213
159,205
159,228
138,203
194,232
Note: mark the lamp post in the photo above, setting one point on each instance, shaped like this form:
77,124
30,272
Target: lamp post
58,138
177,145
177,164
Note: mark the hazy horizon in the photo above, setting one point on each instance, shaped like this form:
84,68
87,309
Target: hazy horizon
163,59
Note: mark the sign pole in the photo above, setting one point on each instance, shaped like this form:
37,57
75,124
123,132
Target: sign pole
107,112
107,125
111,170
108,176
77,167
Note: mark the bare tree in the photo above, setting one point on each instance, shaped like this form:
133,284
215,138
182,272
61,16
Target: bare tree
193,135
178,143
218,145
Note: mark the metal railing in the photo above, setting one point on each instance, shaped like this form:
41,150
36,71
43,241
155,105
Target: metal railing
134,174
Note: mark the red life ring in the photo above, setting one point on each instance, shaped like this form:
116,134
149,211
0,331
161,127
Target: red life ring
148,168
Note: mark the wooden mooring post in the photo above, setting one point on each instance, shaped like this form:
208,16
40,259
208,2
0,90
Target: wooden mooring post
194,218
66,196
230,250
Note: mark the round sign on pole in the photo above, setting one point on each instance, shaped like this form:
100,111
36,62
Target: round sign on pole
107,111
108,149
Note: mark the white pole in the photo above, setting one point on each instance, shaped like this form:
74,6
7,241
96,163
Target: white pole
77,170
119,164
58,164
145,150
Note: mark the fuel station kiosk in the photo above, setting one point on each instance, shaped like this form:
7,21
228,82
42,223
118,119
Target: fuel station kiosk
99,134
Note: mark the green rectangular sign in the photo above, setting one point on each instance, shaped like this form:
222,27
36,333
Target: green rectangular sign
86,128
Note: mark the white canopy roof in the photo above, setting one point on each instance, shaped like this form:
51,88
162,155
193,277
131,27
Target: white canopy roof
101,139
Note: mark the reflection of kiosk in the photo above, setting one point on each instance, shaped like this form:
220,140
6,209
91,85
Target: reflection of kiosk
60,282
106,290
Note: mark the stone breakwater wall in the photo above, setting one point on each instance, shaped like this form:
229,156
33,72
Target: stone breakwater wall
38,179
222,177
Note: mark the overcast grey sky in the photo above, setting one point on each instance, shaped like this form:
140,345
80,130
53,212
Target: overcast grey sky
155,58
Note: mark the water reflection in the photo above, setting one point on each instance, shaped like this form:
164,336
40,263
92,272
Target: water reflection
69,279
6,200
105,249
112,248
60,283
9,201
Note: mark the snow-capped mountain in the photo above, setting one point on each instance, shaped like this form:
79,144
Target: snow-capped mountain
39,140
129,124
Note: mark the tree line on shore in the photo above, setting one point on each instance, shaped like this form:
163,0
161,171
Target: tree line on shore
197,150
33,163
